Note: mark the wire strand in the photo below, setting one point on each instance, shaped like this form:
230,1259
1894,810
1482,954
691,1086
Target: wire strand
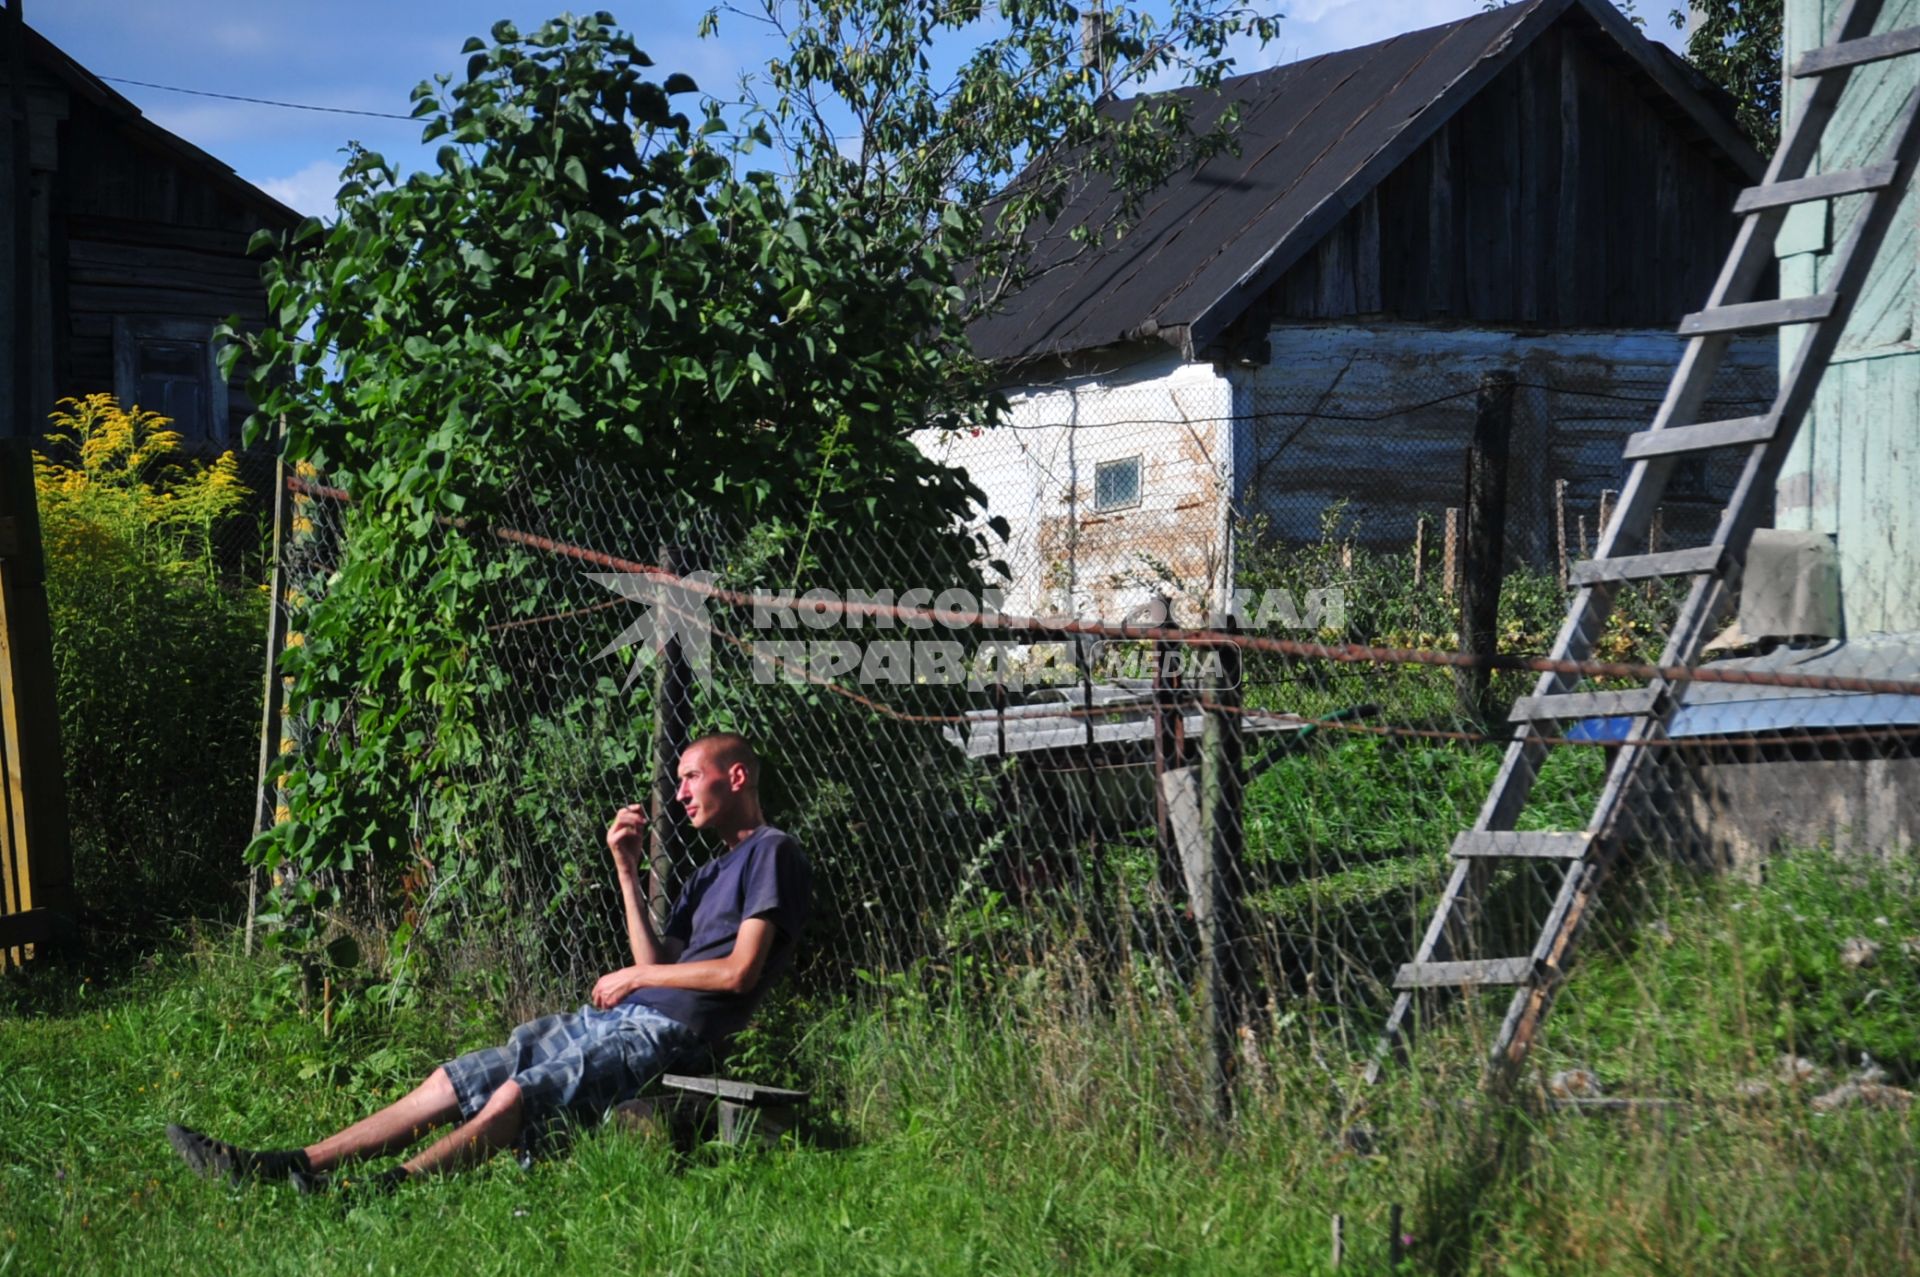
235,97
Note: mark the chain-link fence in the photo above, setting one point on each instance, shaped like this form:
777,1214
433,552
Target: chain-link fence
1197,743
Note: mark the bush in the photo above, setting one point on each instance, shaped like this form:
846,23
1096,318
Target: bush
157,662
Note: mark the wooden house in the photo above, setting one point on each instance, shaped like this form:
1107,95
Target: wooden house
137,248
1299,325
1855,467
1782,768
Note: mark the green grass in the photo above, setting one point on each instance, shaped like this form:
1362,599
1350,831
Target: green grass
934,1179
1755,969
1036,1132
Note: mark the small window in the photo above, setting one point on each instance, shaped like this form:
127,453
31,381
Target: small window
168,366
1116,484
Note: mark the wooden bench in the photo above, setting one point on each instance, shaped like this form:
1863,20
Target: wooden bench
745,1111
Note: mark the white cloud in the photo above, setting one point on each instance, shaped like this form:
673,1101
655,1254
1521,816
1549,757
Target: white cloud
310,190
244,37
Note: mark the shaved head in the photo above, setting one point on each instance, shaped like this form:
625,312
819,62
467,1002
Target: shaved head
723,749
720,785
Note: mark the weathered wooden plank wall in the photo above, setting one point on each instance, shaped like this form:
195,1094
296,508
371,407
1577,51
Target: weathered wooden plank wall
45,105
1561,196
1341,415
1855,467
1567,199
138,233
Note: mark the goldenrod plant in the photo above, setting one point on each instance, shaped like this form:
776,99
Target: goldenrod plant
158,657
110,472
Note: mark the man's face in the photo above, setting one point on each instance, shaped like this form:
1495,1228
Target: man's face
707,789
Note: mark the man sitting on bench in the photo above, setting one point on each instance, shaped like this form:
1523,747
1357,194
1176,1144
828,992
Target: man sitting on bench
731,933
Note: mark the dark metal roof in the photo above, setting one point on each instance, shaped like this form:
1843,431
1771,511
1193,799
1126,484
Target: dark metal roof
1314,137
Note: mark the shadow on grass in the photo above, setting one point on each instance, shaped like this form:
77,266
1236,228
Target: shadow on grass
1459,1198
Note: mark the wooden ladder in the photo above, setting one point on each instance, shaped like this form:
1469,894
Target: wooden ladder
1584,856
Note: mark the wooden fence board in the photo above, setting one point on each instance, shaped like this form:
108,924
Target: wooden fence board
35,861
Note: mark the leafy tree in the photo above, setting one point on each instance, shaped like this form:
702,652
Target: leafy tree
1050,97
595,283
1736,44
587,275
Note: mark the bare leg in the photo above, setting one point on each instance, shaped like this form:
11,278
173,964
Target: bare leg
394,1127
493,1128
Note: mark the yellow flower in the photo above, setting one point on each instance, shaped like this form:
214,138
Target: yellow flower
110,471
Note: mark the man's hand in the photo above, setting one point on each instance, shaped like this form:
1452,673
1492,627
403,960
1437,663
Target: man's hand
626,835
611,989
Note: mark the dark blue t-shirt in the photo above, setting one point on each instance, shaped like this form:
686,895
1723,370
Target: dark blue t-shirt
766,876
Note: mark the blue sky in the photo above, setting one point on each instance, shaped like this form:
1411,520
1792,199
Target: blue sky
367,56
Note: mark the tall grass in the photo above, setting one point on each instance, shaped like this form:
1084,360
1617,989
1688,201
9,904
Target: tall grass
1018,1127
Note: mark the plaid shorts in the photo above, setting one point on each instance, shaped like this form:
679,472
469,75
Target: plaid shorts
582,1063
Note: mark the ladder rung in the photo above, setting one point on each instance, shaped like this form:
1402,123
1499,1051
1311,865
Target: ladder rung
1699,438
1767,314
1647,567
1853,53
1825,186
1540,709
1511,845
1454,975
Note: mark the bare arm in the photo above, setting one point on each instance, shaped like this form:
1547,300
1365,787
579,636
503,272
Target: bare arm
626,839
738,972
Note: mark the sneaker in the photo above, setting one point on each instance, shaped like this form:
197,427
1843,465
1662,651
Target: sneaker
216,1159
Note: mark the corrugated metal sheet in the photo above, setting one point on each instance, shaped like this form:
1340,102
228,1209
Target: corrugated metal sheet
1731,709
